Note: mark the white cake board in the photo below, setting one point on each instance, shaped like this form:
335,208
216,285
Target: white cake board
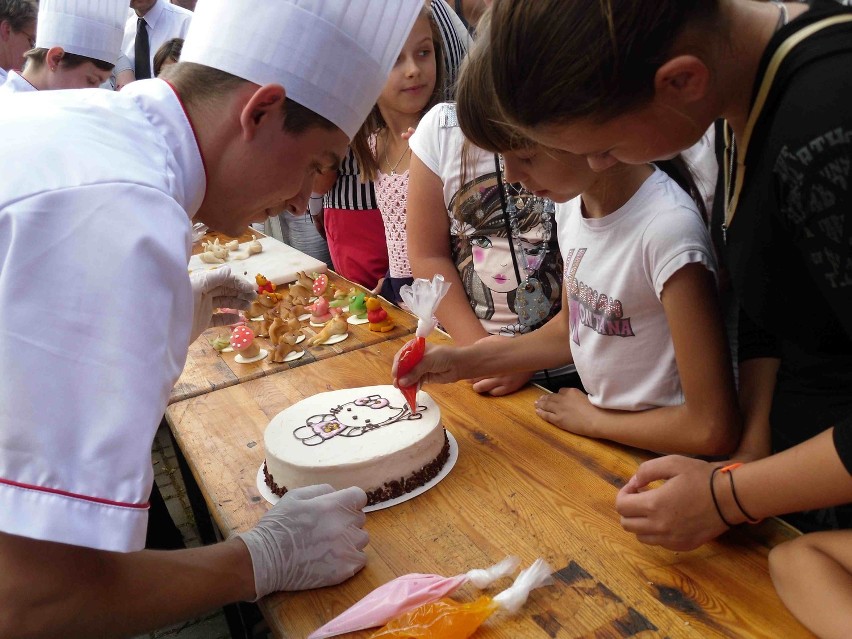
318,324
293,356
301,338
353,319
239,359
278,262
334,339
272,498
304,316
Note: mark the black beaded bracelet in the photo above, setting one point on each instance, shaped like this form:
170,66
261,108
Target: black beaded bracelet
716,501
730,471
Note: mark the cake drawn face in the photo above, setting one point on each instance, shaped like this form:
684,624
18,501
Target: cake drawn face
353,419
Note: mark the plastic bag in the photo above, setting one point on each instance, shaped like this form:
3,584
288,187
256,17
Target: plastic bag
422,298
447,619
407,593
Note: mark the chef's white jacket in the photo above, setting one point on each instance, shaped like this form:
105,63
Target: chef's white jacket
15,83
96,196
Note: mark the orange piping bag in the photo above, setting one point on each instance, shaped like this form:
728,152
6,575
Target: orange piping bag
406,593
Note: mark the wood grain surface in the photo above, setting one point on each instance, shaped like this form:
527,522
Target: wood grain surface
520,486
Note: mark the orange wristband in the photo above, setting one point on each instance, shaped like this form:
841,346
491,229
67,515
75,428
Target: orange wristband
729,470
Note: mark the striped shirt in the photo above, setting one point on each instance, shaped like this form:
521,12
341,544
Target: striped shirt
349,192
456,41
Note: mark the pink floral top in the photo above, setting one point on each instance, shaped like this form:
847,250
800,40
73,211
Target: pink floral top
392,196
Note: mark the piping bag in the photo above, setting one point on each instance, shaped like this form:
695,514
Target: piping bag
448,619
422,298
406,593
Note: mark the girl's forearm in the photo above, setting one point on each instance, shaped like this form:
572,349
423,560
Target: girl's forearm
546,347
669,429
805,477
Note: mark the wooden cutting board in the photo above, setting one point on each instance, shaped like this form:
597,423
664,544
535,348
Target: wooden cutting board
278,262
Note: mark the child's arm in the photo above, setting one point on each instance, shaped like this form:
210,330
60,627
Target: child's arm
813,577
428,230
546,347
757,386
680,514
708,422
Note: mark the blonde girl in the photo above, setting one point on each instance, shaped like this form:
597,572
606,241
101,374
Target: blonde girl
414,85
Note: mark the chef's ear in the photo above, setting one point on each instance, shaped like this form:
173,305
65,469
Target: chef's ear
265,104
54,57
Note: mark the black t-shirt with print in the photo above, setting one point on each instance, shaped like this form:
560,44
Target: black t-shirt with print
789,247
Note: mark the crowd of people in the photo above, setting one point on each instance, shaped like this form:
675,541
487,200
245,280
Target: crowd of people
643,206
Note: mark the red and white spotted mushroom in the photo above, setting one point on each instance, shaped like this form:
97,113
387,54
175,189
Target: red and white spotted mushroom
320,284
242,341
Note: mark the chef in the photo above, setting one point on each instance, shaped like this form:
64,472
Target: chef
98,193
76,46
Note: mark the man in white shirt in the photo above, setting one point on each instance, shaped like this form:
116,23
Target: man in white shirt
97,200
155,21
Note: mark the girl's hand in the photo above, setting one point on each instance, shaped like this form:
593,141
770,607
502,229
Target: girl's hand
502,384
680,514
569,409
438,366
406,135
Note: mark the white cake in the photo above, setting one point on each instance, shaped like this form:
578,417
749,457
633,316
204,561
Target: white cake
364,437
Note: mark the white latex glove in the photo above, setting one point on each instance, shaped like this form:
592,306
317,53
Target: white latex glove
214,289
312,537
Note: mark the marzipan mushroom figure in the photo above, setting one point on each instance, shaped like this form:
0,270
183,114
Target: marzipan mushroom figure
243,342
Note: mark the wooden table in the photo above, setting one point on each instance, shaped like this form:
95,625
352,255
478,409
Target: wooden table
520,486
206,369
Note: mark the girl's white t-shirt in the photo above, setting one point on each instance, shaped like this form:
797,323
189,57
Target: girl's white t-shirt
616,268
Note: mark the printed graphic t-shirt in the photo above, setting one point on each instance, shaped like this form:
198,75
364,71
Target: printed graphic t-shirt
479,234
615,271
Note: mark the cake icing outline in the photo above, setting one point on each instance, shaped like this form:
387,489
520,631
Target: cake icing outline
351,414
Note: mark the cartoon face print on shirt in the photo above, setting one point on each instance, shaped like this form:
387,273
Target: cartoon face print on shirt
353,419
484,257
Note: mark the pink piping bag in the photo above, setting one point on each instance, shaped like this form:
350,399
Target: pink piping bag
422,298
407,593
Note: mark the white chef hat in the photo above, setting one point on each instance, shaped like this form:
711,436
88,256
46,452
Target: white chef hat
92,28
331,56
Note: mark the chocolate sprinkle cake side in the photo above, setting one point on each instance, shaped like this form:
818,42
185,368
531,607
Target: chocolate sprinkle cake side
391,489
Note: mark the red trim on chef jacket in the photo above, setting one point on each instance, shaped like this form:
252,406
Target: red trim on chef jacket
194,133
65,493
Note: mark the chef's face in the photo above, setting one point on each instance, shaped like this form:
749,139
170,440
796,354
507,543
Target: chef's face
277,174
82,76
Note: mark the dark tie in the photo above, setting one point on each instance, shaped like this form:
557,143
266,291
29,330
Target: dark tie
142,51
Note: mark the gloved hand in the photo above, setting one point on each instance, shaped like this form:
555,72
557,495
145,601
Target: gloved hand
311,538
214,289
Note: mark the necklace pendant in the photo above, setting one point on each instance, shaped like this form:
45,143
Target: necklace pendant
531,304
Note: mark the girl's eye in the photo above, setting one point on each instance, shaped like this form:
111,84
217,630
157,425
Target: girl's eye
481,241
425,52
